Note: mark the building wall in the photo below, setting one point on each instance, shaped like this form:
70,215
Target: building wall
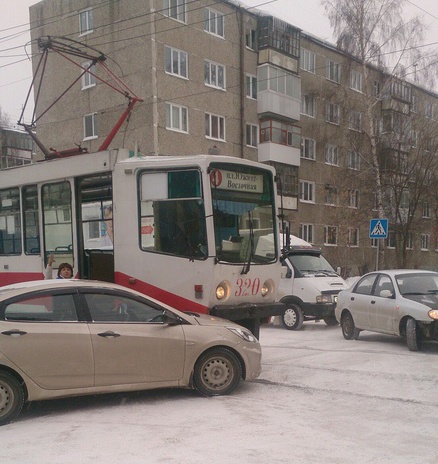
134,35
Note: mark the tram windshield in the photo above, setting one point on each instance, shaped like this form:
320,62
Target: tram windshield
243,213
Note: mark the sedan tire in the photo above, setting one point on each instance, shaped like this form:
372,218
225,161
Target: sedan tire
11,397
293,317
349,330
217,372
413,335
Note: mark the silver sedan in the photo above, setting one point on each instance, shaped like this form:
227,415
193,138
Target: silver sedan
396,302
61,338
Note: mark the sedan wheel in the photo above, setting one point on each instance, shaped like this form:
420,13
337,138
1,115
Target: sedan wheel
349,330
11,397
293,317
217,372
413,335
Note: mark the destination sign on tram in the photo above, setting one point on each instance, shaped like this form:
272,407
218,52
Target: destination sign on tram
237,181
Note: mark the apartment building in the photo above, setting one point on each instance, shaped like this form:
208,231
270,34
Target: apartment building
16,148
219,78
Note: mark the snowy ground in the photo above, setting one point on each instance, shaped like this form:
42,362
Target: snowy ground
320,400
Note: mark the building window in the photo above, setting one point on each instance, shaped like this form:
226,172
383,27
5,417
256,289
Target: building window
356,81
214,22
251,39
88,80
176,62
331,195
425,242
214,75
377,89
330,235
414,138
175,9
307,191
332,113
214,126
306,232
251,86
278,80
333,71
308,148
280,132
409,241
176,117
353,198
374,242
85,21
353,237
355,120
353,160
308,105
414,104
426,209
307,60
390,241
252,131
332,155
90,126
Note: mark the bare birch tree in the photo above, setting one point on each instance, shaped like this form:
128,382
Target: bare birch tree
377,36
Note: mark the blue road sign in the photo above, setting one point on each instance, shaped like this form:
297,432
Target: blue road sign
379,228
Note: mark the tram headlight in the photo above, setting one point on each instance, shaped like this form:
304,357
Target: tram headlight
223,290
267,288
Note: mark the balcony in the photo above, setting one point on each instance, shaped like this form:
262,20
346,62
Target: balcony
274,152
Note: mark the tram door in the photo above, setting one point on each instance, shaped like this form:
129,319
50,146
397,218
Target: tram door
95,227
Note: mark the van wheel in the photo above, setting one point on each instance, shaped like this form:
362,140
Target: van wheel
11,397
330,320
413,335
293,317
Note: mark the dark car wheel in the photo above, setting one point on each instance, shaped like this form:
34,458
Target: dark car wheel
330,320
293,317
413,335
349,330
11,397
217,372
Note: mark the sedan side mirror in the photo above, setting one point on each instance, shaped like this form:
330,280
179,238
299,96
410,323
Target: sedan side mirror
386,294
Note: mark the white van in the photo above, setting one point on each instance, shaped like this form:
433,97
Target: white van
309,285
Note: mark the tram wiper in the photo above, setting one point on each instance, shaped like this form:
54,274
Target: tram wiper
247,264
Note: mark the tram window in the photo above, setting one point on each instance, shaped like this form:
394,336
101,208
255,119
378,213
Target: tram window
173,214
30,220
58,235
10,228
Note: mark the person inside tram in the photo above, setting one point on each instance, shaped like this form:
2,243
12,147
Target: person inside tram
108,238
65,270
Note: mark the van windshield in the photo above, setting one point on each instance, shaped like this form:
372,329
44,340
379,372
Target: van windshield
311,264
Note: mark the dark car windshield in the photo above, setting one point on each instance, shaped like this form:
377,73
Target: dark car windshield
417,284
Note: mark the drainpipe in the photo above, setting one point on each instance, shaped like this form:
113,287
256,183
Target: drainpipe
242,81
154,79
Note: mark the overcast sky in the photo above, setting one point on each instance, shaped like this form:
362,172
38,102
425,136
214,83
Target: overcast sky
16,73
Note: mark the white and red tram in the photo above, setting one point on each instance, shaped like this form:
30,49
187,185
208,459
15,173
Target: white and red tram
183,229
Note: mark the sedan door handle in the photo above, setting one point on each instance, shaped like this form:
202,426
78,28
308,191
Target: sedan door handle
14,332
373,301
109,333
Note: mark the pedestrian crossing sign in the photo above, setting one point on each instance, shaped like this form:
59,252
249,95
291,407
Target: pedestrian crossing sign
379,228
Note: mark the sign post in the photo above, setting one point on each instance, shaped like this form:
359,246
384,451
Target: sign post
378,229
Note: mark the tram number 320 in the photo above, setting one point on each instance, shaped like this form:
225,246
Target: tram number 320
247,287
